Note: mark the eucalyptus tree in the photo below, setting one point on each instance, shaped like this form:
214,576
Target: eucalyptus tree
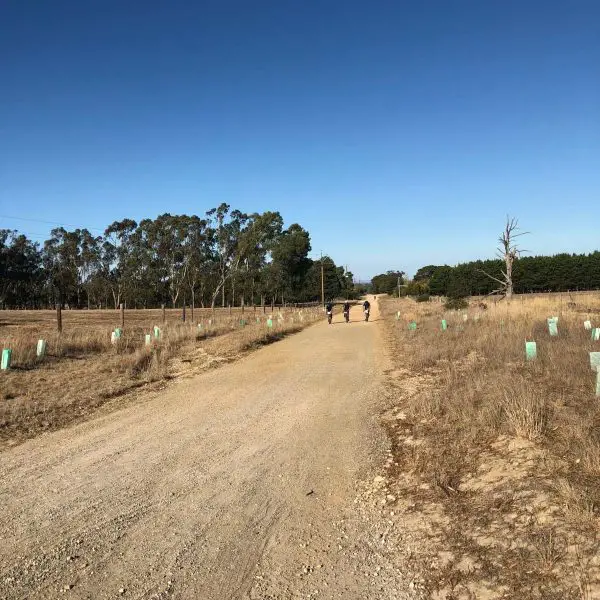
227,225
89,261
198,256
20,270
118,258
290,262
160,245
256,242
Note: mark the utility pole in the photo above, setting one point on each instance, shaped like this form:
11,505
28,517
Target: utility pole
322,282
347,290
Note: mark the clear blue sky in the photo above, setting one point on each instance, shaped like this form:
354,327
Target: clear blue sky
399,133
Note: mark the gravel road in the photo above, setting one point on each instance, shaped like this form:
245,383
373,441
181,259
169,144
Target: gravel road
237,483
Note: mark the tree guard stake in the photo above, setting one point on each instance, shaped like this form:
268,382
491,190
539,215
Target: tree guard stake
41,348
530,350
6,358
595,364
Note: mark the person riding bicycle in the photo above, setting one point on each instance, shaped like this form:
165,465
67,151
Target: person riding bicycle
329,311
347,311
367,309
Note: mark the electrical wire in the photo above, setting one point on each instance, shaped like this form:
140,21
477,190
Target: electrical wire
65,225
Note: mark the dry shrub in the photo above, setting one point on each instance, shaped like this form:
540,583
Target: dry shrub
575,501
79,342
590,454
156,366
526,409
549,548
23,352
149,364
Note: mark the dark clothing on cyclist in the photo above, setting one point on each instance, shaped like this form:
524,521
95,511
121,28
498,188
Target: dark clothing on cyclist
329,307
346,306
367,305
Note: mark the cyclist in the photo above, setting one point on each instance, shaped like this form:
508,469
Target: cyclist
347,311
367,309
329,311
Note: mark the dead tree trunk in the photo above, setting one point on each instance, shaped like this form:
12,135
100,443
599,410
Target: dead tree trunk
508,251
509,258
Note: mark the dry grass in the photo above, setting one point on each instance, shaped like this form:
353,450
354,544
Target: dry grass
508,450
82,369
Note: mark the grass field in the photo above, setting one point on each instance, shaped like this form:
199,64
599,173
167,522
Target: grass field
498,457
83,370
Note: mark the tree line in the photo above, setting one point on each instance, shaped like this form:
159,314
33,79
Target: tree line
387,283
226,257
558,273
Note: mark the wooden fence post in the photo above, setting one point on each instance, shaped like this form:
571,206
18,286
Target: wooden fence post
59,318
183,313
164,314
122,307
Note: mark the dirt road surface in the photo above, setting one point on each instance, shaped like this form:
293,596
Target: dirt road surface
238,483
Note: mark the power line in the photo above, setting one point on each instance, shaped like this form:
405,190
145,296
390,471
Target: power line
48,222
32,233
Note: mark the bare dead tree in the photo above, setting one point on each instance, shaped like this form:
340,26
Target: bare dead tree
508,251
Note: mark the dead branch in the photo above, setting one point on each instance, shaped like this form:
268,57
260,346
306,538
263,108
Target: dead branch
492,277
